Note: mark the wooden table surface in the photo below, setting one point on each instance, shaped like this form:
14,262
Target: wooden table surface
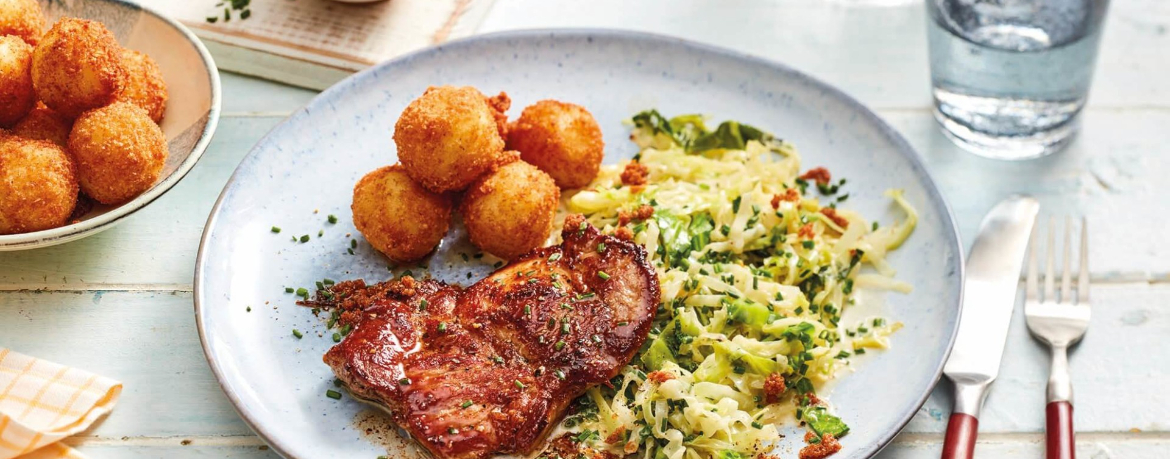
119,303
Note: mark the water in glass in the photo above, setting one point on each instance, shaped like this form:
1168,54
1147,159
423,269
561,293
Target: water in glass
1011,76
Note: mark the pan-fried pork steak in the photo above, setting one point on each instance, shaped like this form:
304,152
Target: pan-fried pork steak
491,369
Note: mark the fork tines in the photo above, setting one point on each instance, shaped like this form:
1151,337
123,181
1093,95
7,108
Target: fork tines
1066,287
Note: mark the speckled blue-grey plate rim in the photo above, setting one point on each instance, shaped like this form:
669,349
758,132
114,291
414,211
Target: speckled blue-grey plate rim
937,202
107,220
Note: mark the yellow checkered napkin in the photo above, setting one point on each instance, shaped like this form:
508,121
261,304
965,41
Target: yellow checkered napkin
43,402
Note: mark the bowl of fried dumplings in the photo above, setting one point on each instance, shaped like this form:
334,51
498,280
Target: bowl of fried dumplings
104,106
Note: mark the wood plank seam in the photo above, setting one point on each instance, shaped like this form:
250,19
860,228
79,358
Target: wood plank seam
1111,281
902,439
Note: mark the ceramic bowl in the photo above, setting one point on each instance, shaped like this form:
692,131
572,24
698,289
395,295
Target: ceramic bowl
191,115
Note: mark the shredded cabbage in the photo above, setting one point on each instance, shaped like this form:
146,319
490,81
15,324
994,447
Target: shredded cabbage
750,290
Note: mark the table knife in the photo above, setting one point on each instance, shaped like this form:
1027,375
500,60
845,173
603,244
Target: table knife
989,296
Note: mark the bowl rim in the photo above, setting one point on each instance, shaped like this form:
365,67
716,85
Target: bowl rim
903,147
75,231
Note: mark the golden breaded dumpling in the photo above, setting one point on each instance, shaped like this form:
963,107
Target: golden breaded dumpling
397,216
144,84
561,139
510,210
42,123
119,152
22,18
16,89
38,185
450,136
77,66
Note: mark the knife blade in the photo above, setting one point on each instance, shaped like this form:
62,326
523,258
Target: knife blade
989,296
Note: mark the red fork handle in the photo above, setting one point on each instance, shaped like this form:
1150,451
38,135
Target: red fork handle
1059,427
962,429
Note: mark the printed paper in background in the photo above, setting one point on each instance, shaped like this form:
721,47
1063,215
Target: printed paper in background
314,43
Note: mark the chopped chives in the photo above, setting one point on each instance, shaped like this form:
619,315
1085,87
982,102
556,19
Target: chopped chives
303,292
305,238
757,425
298,334
331,218
560,345
333,394
808,244
353,243
320,233
466,404
452,431
404,381
336,337
289,290
442,327
275,229
565,328
527,309
603,275
601,247
519,385
422,305
559,374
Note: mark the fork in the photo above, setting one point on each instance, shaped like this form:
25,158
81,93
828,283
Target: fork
1059,322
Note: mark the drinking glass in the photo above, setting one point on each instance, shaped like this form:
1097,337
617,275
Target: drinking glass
1010,77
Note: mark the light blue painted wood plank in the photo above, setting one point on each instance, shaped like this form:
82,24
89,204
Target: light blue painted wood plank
876,53
192,451
1111,174
154,246
1087,447
148,340
1119,371
245,95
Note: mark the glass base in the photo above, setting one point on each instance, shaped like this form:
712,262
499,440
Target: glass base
1011,129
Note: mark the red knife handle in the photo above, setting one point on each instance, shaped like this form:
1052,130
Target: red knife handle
962,429
1061,444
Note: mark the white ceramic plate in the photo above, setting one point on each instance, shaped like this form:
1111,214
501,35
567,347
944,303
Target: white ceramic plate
191,115
305,169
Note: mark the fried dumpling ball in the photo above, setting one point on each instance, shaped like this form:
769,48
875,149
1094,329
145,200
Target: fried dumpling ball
397,216
450,136
119,152
77,67
42,123
510,210
38,185
144,84
561,139
16,89
22,18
